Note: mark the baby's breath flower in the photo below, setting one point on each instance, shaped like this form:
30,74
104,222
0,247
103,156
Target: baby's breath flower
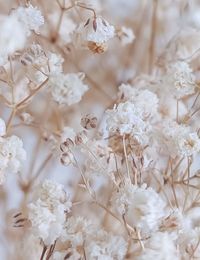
12,155
125,35
180,79
11,40
94,34
47,213
31,17
126,118
142,206
67,89
76,230
160,246
189,144
178,139
104,245
143,99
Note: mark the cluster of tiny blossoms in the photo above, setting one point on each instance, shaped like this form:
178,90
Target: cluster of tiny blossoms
99,130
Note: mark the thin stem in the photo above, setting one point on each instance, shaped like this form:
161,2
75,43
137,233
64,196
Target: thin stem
153,36
177,111
32,94
126,157
43,252
87,8
12,115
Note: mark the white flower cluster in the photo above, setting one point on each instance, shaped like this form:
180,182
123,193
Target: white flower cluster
23,20
160,246
98,245
178,139
142,206
94,34
30,17
12,153
48,213
8,42
67,89
180,79
127,119
129,155
144,99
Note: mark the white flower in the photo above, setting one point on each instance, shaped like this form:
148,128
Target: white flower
105,246
126,118
180,79
125,35
77,229
189,144
12,154
143,99
67,89
178,139
12,36
94,34
160,247
31,17
55,63
142,206
53,194
47,214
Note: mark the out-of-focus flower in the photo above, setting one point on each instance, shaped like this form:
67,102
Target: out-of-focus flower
160,246
12,155
11,40
178,139
125,35
30,17
47,214
180,79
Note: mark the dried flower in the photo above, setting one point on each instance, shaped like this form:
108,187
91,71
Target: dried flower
31,17
12,155
47,213
125,35
142,206
89,122
94,34
67,89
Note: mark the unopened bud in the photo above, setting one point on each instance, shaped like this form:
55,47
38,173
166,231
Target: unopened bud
81,138
66,158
